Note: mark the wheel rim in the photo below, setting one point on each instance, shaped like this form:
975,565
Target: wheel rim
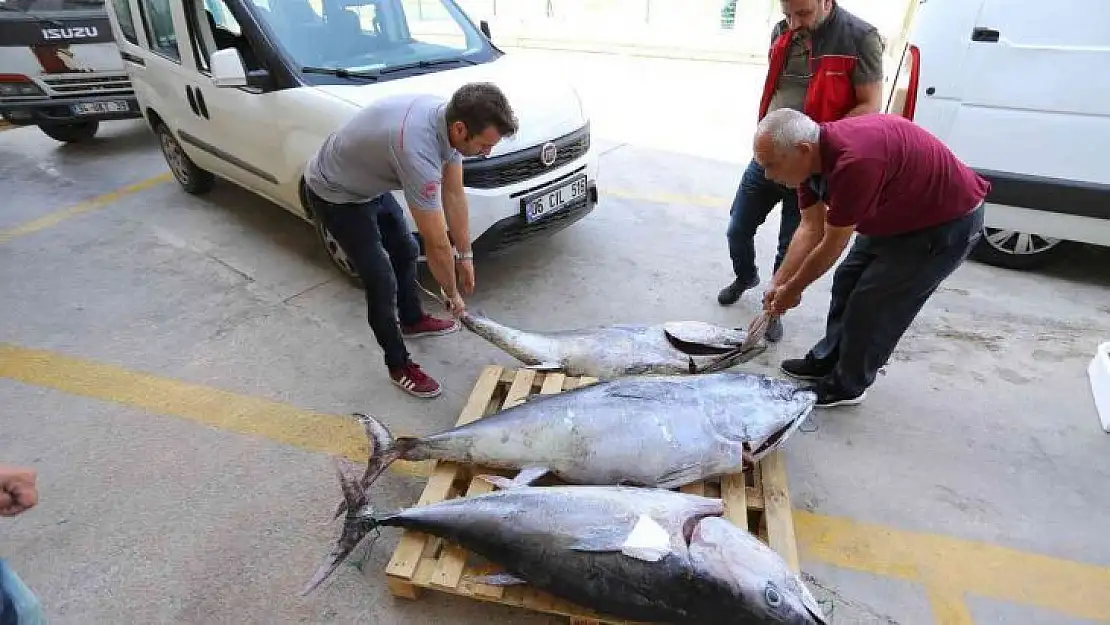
338,256
175,158
1018,243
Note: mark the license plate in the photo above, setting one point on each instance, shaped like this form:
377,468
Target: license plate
95,108
554,199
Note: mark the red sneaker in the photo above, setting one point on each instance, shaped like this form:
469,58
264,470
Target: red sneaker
413,381
430,326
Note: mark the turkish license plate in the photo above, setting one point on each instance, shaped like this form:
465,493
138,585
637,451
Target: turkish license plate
554,199
95,108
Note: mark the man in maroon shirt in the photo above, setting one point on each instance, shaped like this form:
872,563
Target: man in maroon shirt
917,211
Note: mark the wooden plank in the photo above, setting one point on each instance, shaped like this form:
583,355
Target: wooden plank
777,513
479,398
734,493
410,548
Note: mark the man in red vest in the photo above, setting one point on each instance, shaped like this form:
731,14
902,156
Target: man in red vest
827,63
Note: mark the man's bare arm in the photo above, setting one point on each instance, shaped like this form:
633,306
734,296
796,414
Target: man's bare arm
455,207
867,76
822,258
437,247
809,233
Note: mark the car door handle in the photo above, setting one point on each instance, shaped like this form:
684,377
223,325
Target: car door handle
192,100
984,34
201,104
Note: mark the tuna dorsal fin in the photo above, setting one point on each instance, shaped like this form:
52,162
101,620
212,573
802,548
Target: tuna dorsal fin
499,579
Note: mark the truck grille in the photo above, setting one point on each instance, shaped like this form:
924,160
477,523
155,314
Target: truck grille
76,83
507,169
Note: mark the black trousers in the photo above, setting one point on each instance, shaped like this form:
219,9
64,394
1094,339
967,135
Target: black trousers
878,290
376,239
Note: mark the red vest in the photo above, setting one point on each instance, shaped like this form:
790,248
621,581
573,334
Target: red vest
830,94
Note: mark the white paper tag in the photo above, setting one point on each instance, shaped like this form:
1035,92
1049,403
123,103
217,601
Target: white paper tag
648,541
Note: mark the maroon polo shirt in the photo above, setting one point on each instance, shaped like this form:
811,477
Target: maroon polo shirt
886,175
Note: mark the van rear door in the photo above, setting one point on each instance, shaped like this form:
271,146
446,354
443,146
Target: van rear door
1034,95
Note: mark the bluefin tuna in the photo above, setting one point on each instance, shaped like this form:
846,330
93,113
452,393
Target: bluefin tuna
657,431
608,352
648,555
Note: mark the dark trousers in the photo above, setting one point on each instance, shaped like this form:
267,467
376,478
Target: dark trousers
755,198
376,239
877,291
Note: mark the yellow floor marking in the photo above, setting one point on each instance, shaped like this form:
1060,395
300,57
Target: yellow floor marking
325,433
80,208
975,568
951,569
948,606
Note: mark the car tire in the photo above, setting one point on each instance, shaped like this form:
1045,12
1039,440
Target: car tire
1017,250
191,178
81,132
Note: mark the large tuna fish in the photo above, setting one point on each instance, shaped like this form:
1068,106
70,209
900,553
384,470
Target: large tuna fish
682,564
659,431
676,347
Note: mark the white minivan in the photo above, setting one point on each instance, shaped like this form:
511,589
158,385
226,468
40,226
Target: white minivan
1019,90
246,90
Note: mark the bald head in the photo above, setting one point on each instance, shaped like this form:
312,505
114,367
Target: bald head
786,146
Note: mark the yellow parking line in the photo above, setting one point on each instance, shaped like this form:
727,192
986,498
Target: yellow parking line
950,569
320,432
701,201
95,203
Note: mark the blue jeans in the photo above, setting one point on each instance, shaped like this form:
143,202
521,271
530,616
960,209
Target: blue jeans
755,199
376,239
18,605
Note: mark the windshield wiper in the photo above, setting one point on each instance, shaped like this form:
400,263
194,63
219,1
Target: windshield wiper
421,64
340,72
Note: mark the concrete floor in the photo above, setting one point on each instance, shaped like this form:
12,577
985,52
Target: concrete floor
981,439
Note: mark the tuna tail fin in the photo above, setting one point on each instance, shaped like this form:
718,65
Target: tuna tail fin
383,452
360,521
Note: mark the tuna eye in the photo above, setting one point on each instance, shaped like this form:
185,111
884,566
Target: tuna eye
773,597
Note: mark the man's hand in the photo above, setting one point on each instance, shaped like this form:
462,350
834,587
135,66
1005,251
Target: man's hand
17,490
465,270
778,300
456,305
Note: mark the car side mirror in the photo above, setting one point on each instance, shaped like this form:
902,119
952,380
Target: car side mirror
227,68
484,27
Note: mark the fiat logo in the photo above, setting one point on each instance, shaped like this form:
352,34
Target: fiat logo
548,154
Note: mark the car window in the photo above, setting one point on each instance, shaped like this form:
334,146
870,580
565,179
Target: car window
159,28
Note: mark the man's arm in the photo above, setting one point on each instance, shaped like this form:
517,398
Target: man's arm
821,259
423,182
455,207
867,76
809,233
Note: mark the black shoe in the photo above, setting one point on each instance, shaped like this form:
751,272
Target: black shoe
803,368
731,293
774,330
830,397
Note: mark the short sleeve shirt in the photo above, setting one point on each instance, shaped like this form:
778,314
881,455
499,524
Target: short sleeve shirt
398,143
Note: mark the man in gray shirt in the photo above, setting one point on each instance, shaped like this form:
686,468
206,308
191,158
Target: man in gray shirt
413,143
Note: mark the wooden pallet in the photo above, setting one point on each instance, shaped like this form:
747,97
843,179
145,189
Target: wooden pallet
757,500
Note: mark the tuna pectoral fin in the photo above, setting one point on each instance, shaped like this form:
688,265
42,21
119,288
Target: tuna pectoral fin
526,477
679,476
499,579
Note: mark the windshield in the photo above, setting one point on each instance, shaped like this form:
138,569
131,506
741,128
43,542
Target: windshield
372,35
38,7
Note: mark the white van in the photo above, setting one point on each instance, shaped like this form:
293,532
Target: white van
1019,90
247,90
